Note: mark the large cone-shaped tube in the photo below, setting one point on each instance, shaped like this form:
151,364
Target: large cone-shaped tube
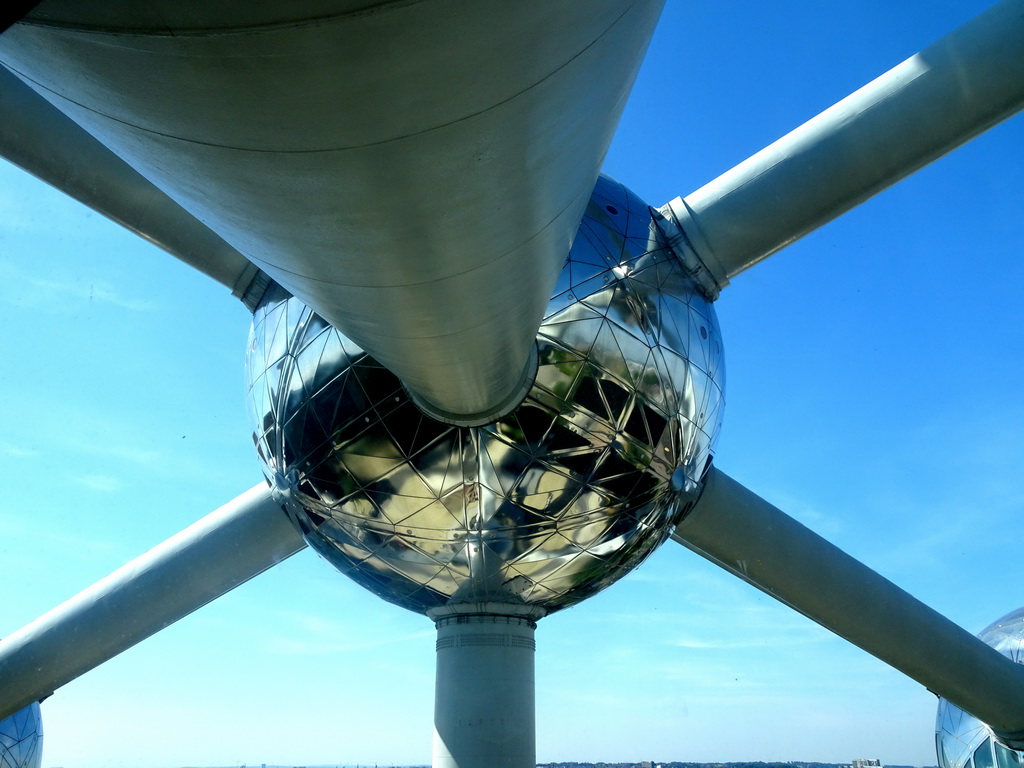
415,172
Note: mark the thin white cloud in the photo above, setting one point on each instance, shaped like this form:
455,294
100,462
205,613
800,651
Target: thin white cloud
26,288
313,635
12,451
121,451
101,483
70,429
753,641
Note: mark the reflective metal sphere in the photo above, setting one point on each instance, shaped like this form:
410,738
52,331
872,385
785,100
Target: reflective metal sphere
548,505
963,741
21,739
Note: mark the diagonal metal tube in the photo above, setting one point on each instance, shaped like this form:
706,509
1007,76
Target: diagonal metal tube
209,558
744,534
916,112
40,139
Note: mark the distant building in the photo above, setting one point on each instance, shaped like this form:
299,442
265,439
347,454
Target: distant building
865,762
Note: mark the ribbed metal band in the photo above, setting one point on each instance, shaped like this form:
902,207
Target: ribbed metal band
488,639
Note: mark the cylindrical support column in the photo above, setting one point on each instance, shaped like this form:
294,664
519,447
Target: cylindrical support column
484,698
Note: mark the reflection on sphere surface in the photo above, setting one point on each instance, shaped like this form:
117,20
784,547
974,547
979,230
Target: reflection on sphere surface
548,505
21,739
963,741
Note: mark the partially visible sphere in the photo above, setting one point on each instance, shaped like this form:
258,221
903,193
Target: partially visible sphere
963,741
21,739
546,506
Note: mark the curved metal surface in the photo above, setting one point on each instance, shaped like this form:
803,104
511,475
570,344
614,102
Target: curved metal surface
918,111
389,164
40,139
209,558
545,507
484,702
13,11
21,739
963,741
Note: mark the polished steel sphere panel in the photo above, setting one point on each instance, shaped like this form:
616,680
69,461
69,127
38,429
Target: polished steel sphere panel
21,739
963,741
546,506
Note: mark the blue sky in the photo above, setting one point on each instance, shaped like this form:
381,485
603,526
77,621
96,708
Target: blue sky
873,392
